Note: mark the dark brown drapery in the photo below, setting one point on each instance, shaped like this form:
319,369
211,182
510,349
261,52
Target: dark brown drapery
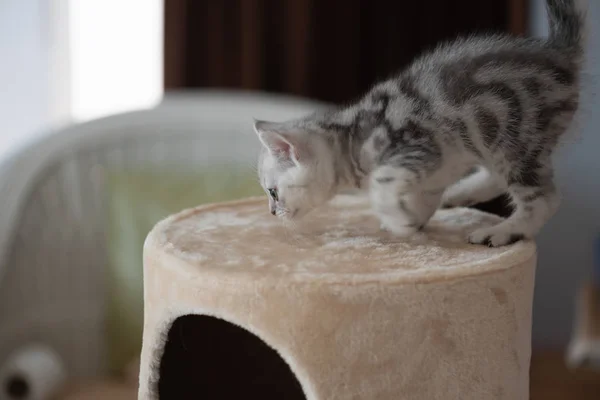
331,50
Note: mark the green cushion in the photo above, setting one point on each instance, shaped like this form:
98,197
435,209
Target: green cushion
137,201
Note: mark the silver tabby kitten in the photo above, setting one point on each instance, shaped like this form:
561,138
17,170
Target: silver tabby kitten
495,104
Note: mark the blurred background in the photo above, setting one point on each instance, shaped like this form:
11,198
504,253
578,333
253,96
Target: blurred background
109,108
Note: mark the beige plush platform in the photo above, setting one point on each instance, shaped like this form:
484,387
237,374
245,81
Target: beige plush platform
354,312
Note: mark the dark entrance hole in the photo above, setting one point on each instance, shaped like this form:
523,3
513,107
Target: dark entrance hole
209,358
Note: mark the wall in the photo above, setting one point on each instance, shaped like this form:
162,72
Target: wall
566,243
32,69
22,70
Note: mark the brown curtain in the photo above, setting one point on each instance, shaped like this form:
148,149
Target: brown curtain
331,50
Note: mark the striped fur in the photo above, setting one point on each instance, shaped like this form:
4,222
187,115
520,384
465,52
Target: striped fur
497,105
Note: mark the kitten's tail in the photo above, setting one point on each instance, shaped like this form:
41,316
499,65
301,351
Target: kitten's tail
568,24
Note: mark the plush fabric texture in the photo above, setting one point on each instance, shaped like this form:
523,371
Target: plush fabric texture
355,312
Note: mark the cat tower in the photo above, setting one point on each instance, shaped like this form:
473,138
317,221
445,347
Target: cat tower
240,306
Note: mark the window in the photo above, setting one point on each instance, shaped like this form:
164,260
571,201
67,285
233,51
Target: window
67,61
115,56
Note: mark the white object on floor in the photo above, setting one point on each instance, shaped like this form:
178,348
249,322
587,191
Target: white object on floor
584,348
34,372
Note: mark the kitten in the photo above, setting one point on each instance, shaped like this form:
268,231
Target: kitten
497,105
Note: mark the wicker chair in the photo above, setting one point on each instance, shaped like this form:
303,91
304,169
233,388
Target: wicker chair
53,197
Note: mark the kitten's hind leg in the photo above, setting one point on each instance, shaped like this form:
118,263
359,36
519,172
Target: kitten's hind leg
478,187
534,206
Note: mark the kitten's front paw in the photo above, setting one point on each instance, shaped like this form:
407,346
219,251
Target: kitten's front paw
400,230
495,236
396,180
384,227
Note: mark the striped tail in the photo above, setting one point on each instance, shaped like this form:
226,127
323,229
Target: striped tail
568,23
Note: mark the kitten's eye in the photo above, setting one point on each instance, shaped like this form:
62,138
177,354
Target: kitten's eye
273,194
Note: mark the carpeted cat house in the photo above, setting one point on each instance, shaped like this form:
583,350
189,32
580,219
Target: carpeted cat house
241,306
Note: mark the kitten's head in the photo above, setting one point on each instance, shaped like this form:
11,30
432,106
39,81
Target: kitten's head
295,167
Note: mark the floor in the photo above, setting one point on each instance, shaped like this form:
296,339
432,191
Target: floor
552,380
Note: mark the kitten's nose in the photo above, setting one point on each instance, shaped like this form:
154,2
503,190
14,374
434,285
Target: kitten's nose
273,211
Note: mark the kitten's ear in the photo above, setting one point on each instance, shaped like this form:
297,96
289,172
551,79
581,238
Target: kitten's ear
281,142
